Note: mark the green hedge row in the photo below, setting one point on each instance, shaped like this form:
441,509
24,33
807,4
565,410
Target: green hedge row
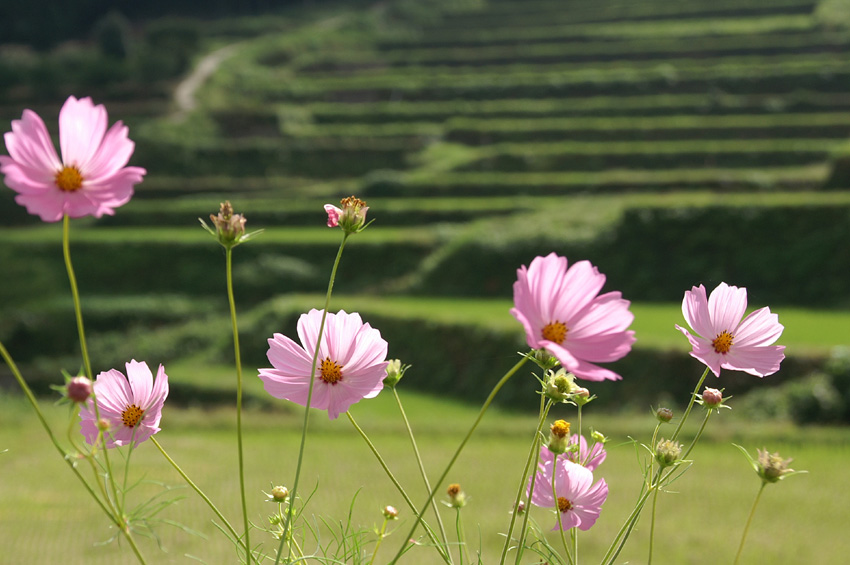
710,103
784,254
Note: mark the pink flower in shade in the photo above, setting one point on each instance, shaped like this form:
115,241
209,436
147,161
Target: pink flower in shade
723,339
563,313
90,179
351,364
576,497
131,405
591,460
334,214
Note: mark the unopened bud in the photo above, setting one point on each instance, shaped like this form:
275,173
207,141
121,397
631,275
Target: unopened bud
712,397
559,438
103,425
395,372
457,498
664,415
544,359
79,389
390,512
667,452
280,494
598,437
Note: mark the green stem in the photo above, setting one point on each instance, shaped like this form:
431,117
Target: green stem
451,463
535,455
620,539
238,362
749,521
291,509
461,538
68,457
422,469
558,511
652,524
200,493
380,539
699,434
443,550
690,405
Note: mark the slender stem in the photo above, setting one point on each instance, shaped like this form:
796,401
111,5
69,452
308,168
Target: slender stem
451,463
621,537
238,362
749,521
699,434
443,550
422,469
66,252
380,539
291,509
558,510
690,405
535,451
461,538
200,493
652,524
70,459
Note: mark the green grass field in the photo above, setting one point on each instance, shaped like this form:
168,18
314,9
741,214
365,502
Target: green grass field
46,517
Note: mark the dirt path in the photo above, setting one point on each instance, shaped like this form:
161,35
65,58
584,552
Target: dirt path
184,94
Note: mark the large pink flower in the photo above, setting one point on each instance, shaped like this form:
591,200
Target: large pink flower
563,312
90,179
131,405
351,363
725,340
576,497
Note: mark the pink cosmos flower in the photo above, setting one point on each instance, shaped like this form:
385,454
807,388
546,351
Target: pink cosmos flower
563,313
351,364
723,339
576,497
131,405
90,179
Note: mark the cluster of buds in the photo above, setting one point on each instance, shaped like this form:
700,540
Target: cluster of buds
667,452
351,217
457,498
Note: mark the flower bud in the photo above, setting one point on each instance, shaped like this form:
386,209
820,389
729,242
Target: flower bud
712,397
667,452
79,389
598,437
457,498
390,512
103,425
544,359
351,217
280,494
559,436
772,467
395,372
560,385
664,415
229,227
520,508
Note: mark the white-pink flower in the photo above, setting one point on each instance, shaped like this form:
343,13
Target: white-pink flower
576,497
91,179
351,364
724,338
131,405
563,312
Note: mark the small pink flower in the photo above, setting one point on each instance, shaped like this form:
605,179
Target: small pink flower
576,497
334,214
563,313
91,178
131,405
351,364
723,339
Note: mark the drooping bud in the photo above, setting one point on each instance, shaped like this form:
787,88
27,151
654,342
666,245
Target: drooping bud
664,415
390,512
79,389
559,437
667,452
457,498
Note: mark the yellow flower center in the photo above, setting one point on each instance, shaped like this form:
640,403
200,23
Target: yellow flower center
560,428
69,179
331,372
723,342
555,332
564,505
131,415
